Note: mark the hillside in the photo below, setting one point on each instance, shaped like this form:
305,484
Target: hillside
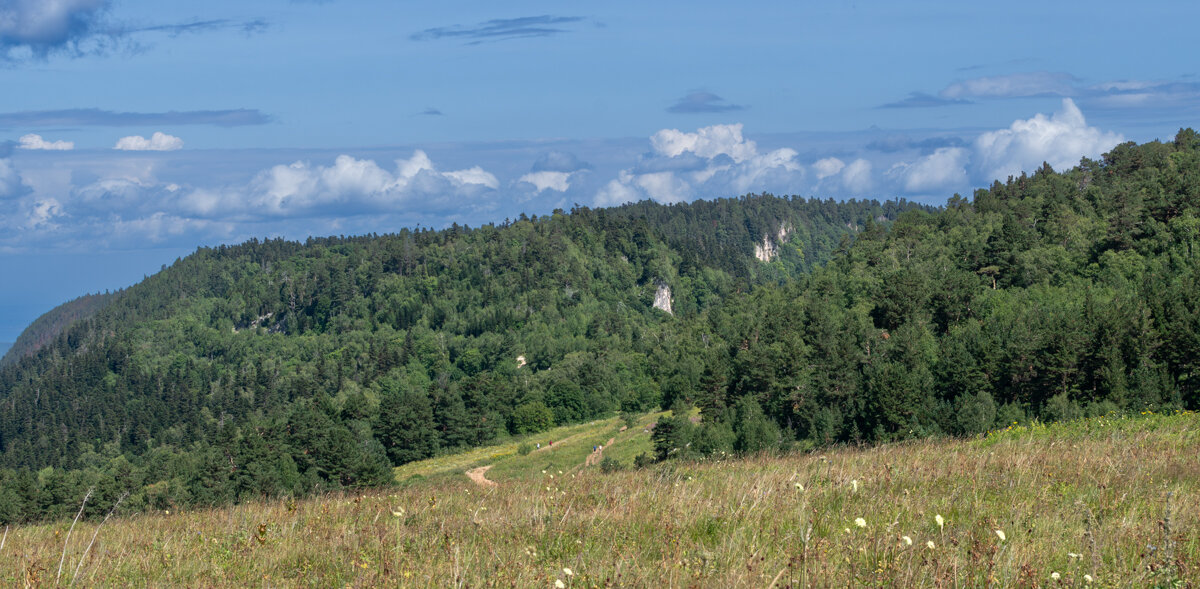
281,368
51,324
1108,502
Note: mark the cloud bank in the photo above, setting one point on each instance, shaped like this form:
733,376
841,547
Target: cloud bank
94,117
97,199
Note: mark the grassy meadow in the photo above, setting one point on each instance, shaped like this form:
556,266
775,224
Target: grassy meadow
1103,502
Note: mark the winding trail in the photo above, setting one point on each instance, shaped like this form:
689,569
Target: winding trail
479,476
595,457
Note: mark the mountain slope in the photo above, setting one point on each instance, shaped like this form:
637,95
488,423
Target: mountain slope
52,323
285,368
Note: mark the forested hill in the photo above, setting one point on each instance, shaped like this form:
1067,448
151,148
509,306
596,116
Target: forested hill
48,327
283,368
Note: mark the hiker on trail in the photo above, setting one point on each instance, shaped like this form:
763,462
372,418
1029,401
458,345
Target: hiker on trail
539,446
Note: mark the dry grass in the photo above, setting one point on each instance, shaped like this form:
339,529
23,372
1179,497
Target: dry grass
1112,498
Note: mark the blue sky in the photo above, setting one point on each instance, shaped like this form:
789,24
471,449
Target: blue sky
132,132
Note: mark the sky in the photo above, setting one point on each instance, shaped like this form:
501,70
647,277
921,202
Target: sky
133,132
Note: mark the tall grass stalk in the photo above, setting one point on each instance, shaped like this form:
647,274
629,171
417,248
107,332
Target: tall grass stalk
94,534
72,529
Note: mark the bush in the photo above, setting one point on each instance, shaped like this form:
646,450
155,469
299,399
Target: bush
643,460
610,464
524,448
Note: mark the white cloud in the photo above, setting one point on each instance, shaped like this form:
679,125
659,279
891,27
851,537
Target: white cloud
42,214
1060,140
349,186
157,142
546,180
35,141
828,167
707,142
618,191
856,177
664,187
474,175
712,162
1013,85
943,169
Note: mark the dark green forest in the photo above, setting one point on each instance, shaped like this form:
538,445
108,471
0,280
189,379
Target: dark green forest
280,368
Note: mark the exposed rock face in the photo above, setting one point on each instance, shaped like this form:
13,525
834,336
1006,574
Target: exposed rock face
521,361
768,250
662,298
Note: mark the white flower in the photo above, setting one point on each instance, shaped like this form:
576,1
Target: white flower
940,522
1000,534
1088,578
568,572
860,522
854,486
907,540
1055,575
558,584
799,486
930,545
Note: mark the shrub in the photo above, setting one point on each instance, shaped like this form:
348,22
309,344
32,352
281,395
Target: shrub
610,464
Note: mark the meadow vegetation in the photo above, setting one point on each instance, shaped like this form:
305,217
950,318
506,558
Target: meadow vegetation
1108,501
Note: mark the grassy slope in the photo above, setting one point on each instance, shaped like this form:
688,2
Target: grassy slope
1114,498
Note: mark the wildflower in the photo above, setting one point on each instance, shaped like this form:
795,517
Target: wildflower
940,522
1000,534
860,522
1088,578
930,545
1074,556
854,486
398,513
799,486
568,572
907,540
1055,575
558,584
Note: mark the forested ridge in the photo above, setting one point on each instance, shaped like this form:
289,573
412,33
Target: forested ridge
275,367
281,368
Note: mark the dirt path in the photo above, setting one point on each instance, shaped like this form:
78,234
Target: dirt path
595,457
479,476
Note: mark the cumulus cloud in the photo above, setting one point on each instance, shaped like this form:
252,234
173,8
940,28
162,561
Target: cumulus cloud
713,161
1060,140
828,167
34,141
944,169
157,142
856,177
701,102
547,180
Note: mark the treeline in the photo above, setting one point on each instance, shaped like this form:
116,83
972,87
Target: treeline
282,368
1051,296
